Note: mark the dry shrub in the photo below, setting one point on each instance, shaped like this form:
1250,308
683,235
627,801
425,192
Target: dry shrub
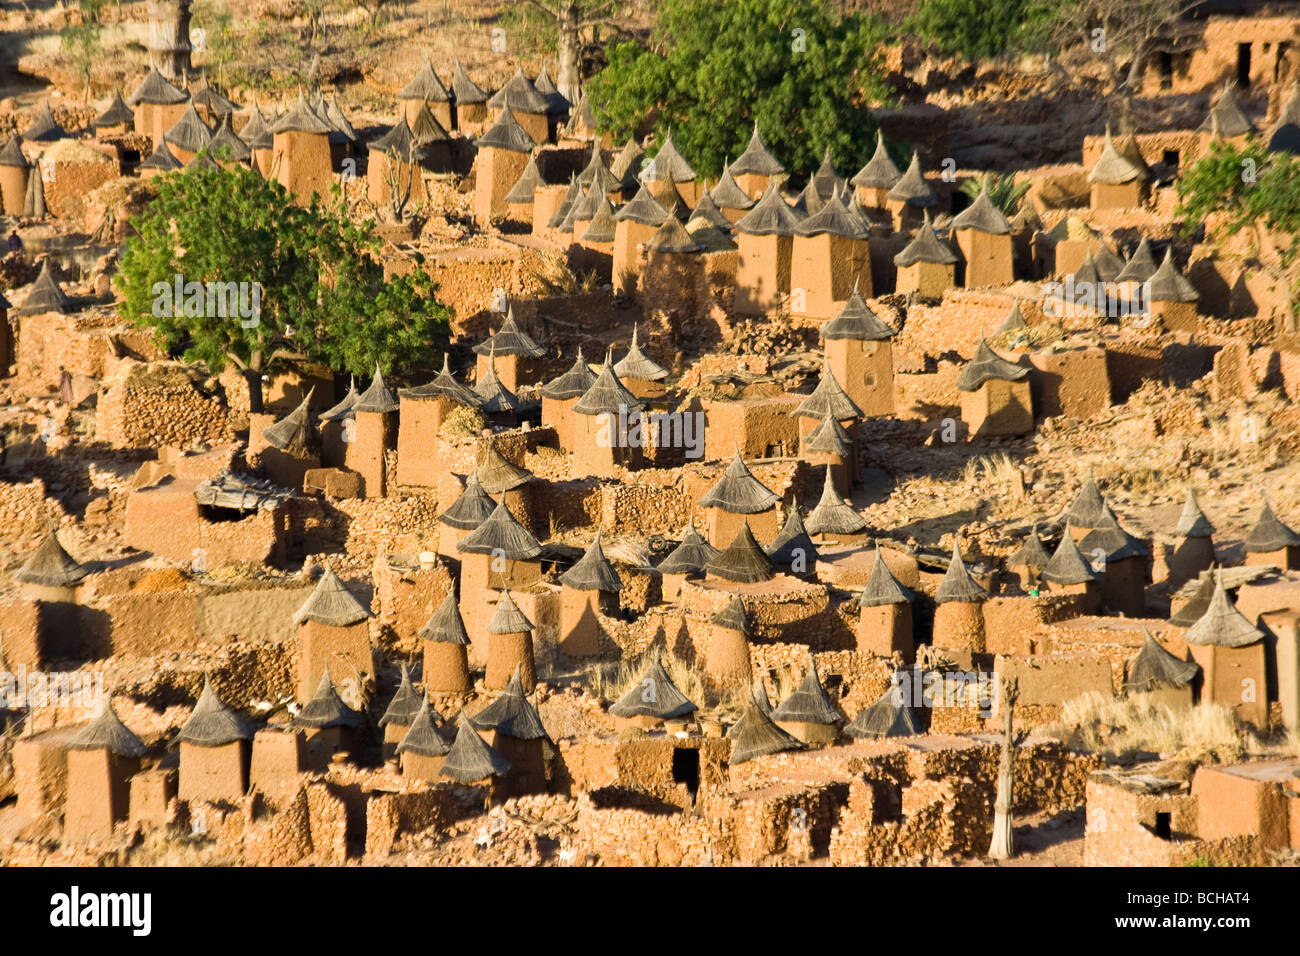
463,422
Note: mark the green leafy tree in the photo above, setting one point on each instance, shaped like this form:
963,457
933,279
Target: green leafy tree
323,292
805,73
975,29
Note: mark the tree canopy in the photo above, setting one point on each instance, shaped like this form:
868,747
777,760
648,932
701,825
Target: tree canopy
313,275
805,73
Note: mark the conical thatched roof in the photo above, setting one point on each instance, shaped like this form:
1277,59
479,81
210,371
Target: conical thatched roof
607,395
1117,543
653,694
399,143
1032,554
44,129
255,128
835,219
1108,264
669,164
12,154
512,713
573,383
1155,667
739,492
706,210
202,160
1269,533
425,128
326,708
510,340
1086,276
444,385
627,164
51,566
501,531
596,175
691,554
1192,523
1089,509
925,247
882,587
422,736
636,364
809,703
733,616
506,133
301,118
465,90
1015,320
808,203
957,584
828,398
344,407
1067,565
987,365
557,104
829,437
44,295
157,89
593,571
743,560
228,147
213,724
857,321
1222,624
331,603
492,391
497,474
880,172
1226,117
526,185
756,159
887,717
117,113
107,732
1113,168
470,759
426,86
405,705
771,216
519,94
982,216
295,432
826,181
206,95
1169,285
1141,266
672,237
1195,609
446,626
727,194
755,735
507,618
376,397
602,227
792,543
912,188
832,515
643,208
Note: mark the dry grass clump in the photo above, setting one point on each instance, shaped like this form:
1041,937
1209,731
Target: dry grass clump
1128,726
162,581
463,422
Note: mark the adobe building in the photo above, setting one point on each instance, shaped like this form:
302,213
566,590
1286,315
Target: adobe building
885,622
446,660
792,550
499,403
509,646
808,714
101,760
1088,512
635,224
737,500
1029,562
674,275
438,151
765,241
959,611
499,553
727,659
1272,542
732,201
373,432
1140,267
831,447
687,560
889,716
832,519
1226,121
50,574
14,169
503,478
525,104
1068,572
910,198
513,728
333,637
1171,298
560,395
215,749
756,735
995,395
523,195
158,105
873,181
400,714
393,166
860,357
597,178
421,412
652,699
670,172
1124,573
292,446
513,348
1117,182
227,148
557,104
1159,678
469,99
552,206
755,168
588,590
422,749
337,429
829,260
426,90
983,235
158,162
595,245
603,420
470,760
503,152
466,513
300,152
1230,651
926,266
188,136
828,398
329,726
1193,550
742,561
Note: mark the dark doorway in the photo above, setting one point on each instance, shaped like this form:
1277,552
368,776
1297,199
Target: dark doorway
686,769
1163,828
1170,159
1243,65
1166,70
